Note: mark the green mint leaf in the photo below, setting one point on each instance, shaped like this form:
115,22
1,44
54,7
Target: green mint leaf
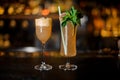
64,23
72,15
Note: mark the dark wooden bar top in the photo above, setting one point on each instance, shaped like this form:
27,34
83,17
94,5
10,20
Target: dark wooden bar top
90,66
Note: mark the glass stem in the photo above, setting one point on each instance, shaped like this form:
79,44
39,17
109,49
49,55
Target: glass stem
43,57
68,59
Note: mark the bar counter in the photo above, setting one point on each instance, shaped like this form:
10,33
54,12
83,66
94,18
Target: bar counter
91,65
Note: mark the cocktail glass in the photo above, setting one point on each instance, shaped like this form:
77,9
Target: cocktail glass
43,29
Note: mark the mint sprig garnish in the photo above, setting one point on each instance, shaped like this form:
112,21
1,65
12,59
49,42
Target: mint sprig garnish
72,15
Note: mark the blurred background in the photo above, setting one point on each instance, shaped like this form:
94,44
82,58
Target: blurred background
100,25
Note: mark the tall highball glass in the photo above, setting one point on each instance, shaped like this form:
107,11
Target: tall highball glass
68,46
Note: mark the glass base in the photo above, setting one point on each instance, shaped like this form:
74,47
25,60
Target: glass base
68,66
43,67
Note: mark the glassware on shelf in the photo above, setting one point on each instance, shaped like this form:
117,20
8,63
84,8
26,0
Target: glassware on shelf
43,29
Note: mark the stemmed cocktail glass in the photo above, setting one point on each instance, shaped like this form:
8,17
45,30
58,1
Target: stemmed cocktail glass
43,29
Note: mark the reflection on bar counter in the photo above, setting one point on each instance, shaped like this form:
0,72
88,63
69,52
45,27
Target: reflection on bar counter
99,31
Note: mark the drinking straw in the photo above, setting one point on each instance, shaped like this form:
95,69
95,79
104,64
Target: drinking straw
63,40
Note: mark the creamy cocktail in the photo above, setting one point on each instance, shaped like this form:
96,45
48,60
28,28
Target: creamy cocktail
43,29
